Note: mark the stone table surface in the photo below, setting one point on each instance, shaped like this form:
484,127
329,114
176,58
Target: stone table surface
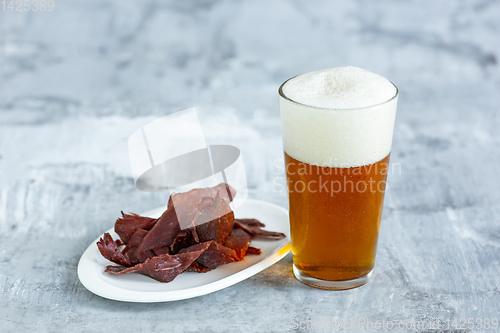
75,82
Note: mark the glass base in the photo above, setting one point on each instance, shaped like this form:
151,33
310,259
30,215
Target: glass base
328,284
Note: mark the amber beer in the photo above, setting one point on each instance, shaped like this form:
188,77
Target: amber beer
337,133
341,220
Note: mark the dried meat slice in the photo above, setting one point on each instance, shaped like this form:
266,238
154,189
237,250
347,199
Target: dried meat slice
130,251
128,224
189,200
182,240
253,222
195,267
256,231
239,241
162,268
161,250
214,221
161,235
164,230
214,255
110,250
186,203
252,250
145,255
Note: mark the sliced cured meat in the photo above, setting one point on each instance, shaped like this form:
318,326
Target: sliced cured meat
186,204
217,255
239,241
189,200
252,250
214,221
130,251
183,239
161,250
128,224
197,233
110,251
162,234
144,255
256,231
253,222
195,267
135,240
214,254
215,211
162,268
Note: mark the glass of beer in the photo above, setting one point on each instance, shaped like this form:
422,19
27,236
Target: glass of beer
337,133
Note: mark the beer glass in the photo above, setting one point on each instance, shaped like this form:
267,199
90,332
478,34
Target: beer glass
336,161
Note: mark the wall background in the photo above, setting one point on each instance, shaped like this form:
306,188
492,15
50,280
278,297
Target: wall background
77,81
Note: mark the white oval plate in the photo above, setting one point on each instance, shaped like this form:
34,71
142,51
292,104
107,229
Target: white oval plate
140,288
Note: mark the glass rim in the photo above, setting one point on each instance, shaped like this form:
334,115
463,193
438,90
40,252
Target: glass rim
282,94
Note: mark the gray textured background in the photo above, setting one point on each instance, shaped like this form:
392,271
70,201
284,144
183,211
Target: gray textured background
76,82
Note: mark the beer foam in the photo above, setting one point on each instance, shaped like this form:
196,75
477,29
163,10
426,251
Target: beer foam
340,88
338,117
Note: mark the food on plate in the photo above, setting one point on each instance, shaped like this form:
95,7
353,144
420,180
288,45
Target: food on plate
197,233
